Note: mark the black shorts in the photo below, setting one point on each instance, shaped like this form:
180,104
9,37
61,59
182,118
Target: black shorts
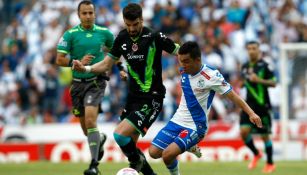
89,93
142,112
266,119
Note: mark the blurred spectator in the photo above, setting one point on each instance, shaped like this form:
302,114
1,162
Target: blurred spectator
220,27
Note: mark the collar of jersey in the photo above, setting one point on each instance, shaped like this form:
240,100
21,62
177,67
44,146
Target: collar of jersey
136,38
82,29
197,72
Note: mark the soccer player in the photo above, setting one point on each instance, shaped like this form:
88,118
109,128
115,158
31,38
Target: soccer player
258,77
86,42
188,126
142,49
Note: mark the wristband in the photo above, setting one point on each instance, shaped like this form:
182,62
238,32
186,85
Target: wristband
88,69
70,63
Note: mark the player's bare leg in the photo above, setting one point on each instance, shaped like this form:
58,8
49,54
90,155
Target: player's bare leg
248,140
169,156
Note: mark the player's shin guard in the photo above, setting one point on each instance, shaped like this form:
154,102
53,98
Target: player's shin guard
174,168
250,144
93,138
269,151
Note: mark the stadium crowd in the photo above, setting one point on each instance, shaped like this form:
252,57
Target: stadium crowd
34,90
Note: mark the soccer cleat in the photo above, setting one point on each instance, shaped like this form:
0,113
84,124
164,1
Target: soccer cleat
269,168
253,163
103,139
138,165
93,169
195,150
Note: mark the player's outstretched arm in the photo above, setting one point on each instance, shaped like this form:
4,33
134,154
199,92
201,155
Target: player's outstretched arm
97,68
253,117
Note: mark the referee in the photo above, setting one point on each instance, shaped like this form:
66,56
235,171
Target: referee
86,42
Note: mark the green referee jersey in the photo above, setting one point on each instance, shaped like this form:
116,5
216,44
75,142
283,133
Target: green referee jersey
78,42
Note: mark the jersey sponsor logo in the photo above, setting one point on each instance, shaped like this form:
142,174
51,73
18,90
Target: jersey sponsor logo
199,90
89,99
162,35
138,113
183,79
183,133
146,36
194,135
219,75
135,57
124,46
205,75
167,134
62,42
135,47
224,83
140,123
88,35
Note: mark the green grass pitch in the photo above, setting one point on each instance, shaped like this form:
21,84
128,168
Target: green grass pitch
204,168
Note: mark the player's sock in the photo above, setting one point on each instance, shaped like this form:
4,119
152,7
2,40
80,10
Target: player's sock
269,151
146,169
93,138
174,168
250,144
128,147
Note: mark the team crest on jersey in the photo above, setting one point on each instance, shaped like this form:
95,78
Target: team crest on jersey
183,133
135,47
201,83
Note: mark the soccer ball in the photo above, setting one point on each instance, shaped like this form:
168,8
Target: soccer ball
127,171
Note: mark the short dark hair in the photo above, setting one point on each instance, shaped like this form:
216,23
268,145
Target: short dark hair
132,11
251,42
190,47
86,2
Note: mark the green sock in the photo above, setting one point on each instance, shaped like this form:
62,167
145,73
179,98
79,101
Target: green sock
93,138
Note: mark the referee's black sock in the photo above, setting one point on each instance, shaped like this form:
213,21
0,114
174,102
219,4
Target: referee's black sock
250,144
269,151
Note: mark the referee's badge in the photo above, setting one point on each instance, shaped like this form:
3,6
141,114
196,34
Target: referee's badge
135,47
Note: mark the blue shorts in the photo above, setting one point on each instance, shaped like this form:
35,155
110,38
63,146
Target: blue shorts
184,137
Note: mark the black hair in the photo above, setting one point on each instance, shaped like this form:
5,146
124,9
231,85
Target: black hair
132,11
190,47
251,42
86,2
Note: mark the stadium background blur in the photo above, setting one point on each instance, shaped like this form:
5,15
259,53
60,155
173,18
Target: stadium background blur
34,91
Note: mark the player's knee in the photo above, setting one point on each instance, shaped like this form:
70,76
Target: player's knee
244,134
167,157
154,152
121,140
90,122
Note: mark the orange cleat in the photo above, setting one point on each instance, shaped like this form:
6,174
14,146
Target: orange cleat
269,168
253,163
